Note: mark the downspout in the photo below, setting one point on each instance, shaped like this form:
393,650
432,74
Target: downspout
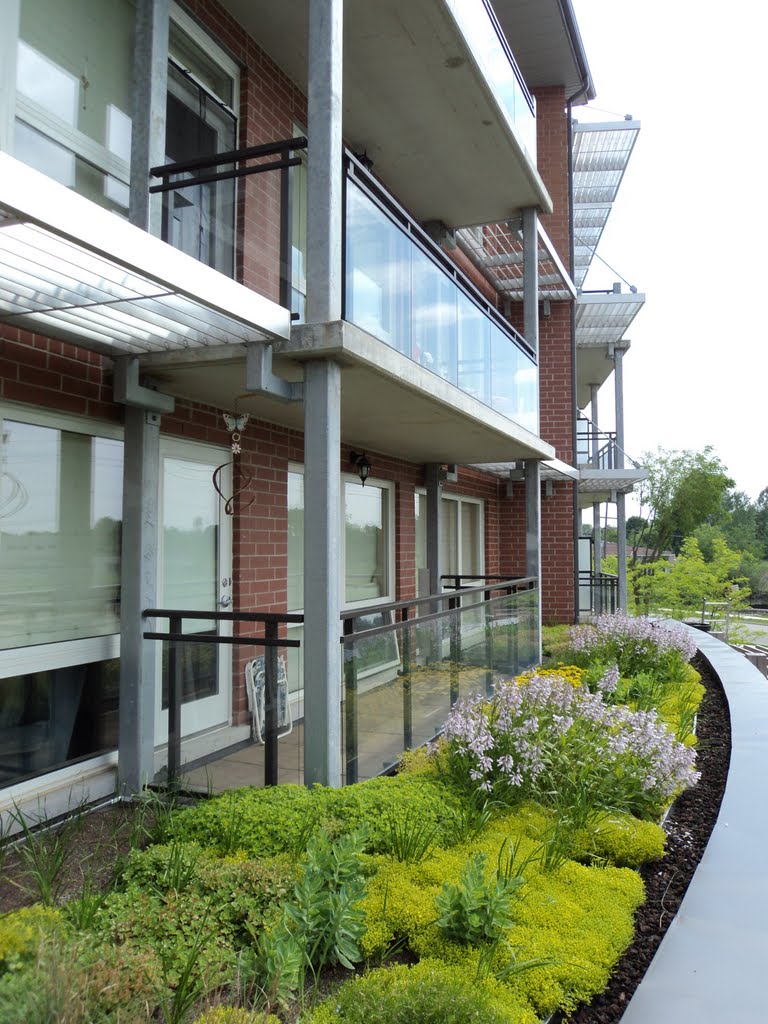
586,91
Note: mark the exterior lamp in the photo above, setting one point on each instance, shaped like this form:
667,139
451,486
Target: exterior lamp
360,461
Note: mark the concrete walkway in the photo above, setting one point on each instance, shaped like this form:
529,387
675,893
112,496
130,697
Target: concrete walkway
711,966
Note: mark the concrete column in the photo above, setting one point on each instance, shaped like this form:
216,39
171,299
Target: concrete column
150,87
531,277
533,530
322,584
618,375
139,572
621,532
324,162
595,447
621,519
434,526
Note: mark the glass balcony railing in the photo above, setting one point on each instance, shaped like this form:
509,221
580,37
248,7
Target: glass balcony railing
490,49
402,289
402,677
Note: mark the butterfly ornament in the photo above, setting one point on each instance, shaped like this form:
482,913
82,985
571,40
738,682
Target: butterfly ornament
241,480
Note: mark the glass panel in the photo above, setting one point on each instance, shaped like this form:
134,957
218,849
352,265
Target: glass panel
366,520
75,77
378,273
474,343
60,535
434,318
503,373
199,220
299,237
500,69
397,293
61,164
295,541
400,683
420,503
48,719
190,566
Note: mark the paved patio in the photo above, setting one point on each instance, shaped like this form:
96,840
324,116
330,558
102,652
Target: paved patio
709,967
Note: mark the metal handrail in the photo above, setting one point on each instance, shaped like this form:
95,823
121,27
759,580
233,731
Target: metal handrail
271,641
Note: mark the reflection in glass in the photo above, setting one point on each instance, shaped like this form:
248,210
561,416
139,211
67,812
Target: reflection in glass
48,719
365,540
60,517
397,293
44,82
190,566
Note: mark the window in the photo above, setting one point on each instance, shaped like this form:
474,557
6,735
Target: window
60,520
367,569
74,75
200,122
461,536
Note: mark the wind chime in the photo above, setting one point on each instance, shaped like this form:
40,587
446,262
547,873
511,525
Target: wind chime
241,480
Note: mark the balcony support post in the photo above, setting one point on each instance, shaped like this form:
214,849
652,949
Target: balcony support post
531,278
324,162
322,400
621,520
533,530
434,483
138,575
150,90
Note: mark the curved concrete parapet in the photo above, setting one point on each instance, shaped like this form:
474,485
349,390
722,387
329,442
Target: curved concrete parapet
711,965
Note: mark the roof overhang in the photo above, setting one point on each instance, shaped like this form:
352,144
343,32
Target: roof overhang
601,485
601,322
71,270
453,155
550,469
601,152
547,44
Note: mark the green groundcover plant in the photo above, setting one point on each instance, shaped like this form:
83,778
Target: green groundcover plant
500,867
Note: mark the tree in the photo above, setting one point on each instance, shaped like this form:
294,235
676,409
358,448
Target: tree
761,520
683,491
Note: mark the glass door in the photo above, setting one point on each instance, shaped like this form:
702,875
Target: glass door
195,564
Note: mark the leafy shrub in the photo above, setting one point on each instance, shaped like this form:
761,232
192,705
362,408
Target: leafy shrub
478,910
280,819
21,932
429,992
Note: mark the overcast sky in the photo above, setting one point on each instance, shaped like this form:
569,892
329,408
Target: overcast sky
689,225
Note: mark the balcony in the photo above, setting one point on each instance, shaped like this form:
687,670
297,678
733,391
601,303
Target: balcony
453,56
604,468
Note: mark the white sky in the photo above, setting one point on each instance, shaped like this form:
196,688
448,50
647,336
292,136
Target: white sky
689,227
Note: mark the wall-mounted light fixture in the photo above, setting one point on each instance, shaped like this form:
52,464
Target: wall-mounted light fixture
360,461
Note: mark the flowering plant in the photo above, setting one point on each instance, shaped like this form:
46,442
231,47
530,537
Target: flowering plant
544,739
634,644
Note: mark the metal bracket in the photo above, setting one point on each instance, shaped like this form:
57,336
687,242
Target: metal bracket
128,391
260,378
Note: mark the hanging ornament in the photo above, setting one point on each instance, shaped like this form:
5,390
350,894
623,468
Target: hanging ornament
241,480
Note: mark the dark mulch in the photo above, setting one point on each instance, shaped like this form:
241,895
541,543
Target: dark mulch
688,829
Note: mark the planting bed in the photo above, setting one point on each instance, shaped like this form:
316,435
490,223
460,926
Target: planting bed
688,827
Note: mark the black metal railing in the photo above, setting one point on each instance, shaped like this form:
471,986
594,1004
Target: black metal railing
270,641
598,592
409,662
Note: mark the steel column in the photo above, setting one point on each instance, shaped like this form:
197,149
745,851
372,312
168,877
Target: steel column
141,471
531,278
150,94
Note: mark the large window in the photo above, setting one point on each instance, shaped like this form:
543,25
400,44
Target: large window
74,75
367,569
60,519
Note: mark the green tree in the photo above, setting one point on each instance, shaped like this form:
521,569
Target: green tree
683,491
